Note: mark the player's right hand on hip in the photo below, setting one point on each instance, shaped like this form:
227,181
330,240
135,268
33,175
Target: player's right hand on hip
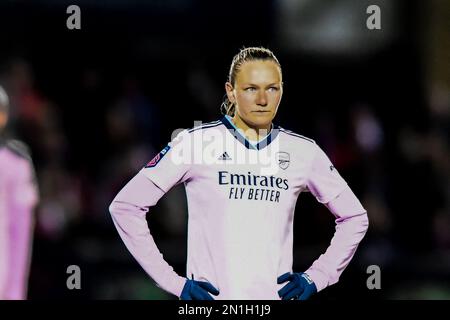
198,290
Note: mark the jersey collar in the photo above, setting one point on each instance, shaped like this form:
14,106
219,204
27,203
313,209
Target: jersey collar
237,133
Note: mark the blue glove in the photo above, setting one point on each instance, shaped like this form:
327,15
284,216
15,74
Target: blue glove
300,286
198,290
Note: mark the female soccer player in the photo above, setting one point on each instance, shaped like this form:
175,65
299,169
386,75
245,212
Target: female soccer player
242,176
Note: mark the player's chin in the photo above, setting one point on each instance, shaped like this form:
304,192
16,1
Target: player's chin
261,119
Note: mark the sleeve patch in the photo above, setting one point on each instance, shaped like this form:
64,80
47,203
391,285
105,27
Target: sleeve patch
157,158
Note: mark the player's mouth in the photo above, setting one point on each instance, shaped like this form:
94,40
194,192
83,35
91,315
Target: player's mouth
261,111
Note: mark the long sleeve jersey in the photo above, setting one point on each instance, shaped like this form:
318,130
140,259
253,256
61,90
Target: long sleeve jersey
241,200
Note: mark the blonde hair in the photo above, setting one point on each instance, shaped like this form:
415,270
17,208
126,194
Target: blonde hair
244,55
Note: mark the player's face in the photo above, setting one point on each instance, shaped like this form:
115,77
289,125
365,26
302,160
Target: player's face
256,92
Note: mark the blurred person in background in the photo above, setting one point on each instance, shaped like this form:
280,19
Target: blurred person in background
18,198
240,228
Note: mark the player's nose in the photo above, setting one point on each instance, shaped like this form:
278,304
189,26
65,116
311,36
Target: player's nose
261,99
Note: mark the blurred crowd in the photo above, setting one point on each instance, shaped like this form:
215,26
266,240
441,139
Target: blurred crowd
91,123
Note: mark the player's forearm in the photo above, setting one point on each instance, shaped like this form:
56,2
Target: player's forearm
20,243
23,200
128,212
351,226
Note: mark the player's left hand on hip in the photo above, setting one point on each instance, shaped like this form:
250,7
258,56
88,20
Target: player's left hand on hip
300,286
198,290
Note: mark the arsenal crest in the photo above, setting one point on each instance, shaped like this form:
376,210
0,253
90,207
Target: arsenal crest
283,160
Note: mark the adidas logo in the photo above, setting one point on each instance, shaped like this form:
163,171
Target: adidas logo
224,156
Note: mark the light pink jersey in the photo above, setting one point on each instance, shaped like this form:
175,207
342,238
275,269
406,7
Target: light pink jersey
241,200
18,196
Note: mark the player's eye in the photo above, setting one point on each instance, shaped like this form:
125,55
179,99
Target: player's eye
251,89
273,89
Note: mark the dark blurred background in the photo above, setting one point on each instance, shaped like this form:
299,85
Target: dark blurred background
96,104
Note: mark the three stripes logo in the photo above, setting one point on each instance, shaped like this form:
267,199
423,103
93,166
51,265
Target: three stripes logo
224,156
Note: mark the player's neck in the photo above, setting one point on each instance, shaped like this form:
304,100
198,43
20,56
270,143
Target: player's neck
251,133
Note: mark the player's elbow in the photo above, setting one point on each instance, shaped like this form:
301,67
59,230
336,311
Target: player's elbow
120,207
114,208
364,223
358,223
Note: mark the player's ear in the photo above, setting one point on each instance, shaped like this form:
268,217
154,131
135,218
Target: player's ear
3,119
230,94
